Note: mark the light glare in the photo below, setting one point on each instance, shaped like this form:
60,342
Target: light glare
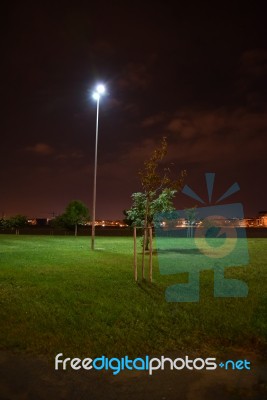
96,96
100,89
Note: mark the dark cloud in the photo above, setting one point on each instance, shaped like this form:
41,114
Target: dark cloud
135,76
153,120
41,148
254,62
241,122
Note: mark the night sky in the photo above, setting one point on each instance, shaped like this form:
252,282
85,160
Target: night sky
193,72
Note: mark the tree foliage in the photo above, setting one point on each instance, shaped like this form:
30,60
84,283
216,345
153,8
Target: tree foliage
76,213
3,223
139,211
17,222
127,218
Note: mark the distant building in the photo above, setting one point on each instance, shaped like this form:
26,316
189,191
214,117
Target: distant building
263,218
38,221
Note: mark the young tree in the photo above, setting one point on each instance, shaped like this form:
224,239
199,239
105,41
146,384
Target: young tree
191,216
3,223
76,213
58,222
158,193
17,222
141,212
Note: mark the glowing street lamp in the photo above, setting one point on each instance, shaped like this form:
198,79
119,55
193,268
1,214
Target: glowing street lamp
100,90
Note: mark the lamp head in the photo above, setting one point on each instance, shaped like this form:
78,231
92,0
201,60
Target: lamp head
100,89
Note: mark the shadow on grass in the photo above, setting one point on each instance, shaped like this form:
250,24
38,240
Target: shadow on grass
150,288
172,250
178,251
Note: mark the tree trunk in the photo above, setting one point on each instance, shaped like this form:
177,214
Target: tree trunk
145,243
75,229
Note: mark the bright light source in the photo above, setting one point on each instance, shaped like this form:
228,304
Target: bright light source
100,89
96,96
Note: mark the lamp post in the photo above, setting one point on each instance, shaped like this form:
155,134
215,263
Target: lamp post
100,89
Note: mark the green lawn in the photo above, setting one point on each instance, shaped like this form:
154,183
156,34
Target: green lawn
58,296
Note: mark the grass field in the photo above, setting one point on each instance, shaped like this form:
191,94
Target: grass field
58,296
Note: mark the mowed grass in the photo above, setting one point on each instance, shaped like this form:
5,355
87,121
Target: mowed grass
59,296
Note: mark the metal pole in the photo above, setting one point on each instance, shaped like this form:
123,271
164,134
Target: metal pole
94,192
